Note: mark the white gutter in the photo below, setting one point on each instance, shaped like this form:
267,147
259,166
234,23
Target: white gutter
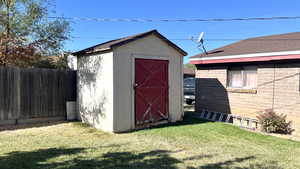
247,55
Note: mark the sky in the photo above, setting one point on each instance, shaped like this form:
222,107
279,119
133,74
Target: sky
90,33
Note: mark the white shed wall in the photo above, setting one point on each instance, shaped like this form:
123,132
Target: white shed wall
150,47
95,90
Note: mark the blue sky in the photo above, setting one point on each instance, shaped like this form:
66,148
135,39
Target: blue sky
177,9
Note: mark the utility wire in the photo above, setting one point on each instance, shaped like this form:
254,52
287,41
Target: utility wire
182,20
82,37
209,39
176,20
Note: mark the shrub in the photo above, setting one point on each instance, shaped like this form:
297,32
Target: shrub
271,122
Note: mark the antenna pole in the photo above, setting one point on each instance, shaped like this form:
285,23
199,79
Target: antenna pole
203,48
200,42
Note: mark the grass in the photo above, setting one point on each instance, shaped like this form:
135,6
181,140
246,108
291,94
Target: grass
190,144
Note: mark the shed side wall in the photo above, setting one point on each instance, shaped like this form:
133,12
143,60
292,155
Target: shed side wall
278,80
149,47
95,90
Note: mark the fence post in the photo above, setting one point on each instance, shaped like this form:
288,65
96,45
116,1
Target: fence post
18,93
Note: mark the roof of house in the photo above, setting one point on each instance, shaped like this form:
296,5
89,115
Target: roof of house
263,44
122,41
188,71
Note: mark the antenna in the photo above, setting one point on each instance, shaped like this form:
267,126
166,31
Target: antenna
200,39
200,42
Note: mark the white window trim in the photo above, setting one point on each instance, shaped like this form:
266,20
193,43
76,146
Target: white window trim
242,70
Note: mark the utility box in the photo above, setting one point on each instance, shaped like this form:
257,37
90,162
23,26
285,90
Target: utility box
72,113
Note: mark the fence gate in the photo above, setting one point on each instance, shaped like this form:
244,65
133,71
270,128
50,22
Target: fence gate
151,91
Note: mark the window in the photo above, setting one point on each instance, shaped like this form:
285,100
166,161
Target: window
189,82
242,77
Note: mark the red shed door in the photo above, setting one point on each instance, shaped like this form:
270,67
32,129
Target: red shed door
151,91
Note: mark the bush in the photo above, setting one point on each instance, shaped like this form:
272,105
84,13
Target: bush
271,122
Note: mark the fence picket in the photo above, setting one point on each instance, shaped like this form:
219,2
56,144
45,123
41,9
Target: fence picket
35,93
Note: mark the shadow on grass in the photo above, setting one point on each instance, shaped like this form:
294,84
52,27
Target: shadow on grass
188,119
34,159
230,164
75,158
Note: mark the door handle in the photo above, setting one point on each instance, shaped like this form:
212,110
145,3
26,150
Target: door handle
135,85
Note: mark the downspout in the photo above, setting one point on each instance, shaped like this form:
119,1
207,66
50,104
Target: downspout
273,94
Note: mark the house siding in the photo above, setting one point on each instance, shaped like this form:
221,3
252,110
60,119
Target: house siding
277,88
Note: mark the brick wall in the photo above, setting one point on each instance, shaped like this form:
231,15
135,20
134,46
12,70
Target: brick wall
277,88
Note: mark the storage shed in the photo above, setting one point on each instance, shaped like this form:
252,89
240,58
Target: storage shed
130,82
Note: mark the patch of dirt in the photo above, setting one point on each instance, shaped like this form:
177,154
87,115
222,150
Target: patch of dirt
28,126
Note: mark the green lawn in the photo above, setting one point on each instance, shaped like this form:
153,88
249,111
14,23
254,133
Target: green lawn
189,144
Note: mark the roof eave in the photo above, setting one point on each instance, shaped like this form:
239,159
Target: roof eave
91,50
184,53
155,32
258,57
87,52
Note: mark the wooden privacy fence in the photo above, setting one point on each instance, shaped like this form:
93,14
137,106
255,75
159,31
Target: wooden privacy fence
35,95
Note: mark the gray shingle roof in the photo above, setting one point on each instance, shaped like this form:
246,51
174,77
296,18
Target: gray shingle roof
118,42
273,43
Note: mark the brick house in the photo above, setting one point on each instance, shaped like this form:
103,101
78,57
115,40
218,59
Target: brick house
251,75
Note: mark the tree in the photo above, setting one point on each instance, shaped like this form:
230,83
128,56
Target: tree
54,62
26,34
